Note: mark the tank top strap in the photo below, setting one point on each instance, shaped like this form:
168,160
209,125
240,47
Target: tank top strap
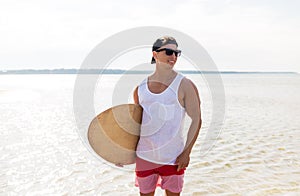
142,85
176,83
144,82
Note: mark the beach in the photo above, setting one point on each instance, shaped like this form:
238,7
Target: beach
257,151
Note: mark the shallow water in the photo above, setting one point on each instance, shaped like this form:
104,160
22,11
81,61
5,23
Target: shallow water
256,153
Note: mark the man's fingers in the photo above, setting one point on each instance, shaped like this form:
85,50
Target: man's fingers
179,167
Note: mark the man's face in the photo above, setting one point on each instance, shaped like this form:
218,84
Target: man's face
161,57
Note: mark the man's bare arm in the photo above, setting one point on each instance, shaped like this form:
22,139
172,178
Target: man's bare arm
135,96
192,107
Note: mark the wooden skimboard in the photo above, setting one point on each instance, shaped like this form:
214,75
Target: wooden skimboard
114,133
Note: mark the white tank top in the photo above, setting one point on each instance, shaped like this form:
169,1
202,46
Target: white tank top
161,138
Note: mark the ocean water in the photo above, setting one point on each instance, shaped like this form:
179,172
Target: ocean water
257,151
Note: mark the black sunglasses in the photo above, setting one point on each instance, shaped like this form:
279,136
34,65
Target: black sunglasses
170,52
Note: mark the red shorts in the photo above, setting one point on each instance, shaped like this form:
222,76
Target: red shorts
150,175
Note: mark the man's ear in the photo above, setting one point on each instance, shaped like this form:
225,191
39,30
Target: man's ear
154,54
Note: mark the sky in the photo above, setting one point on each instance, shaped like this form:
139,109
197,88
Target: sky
239,35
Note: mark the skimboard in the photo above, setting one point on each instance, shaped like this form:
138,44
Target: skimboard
114,133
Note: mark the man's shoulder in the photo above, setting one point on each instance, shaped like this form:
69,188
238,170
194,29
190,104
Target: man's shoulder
187,83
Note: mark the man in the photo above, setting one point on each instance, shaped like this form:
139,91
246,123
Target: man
163,151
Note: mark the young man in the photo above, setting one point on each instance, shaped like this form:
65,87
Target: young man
163,151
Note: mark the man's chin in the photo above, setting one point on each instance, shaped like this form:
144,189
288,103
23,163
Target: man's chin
168,64
171,64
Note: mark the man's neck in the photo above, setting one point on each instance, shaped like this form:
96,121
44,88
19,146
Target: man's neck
164,76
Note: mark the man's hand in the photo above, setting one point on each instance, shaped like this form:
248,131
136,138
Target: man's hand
183,160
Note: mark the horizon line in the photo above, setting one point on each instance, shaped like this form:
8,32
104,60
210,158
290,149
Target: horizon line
123,71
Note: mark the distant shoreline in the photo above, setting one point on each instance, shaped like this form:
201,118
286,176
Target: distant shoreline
120,71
